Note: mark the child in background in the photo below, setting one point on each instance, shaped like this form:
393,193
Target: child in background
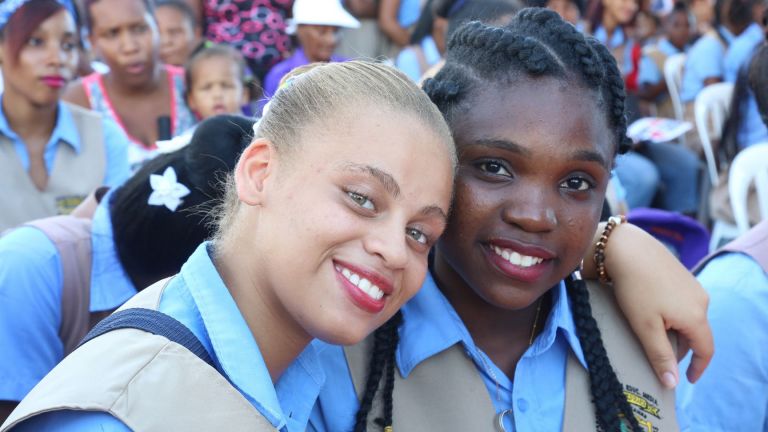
139,92
179,32
676,34
214,76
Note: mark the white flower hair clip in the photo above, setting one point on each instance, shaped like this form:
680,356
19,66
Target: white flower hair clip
166,190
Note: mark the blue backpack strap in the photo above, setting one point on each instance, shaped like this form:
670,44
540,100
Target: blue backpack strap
151,321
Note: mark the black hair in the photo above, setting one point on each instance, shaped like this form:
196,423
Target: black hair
208,50
757,76
537,43
182,7
152,242
751,78
88,17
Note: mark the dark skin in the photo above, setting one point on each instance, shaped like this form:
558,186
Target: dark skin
389,24
125,35
532,178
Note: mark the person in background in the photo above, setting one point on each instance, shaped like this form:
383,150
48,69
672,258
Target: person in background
179,31
397,17
676,34
142,95
367,41
135,239
609,21
416,59
731,395
52,154
569,10
257,28
215,75
316,24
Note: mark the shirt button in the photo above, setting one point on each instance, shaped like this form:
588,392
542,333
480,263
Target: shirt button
522,405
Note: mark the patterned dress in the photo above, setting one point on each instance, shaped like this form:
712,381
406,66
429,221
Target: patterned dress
255,27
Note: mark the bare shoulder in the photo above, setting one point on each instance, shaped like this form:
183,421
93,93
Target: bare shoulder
75,94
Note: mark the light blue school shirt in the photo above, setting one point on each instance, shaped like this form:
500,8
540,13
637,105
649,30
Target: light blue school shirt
732,395
618,38
30,300
408,61
705,60
430,326
65,131
740,51
409,12
649,72
198,298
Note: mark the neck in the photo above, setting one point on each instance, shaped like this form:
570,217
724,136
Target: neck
28,120
280,338
609,24
123,88
503,334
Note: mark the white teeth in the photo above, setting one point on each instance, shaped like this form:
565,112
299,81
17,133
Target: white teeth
515,258
365,285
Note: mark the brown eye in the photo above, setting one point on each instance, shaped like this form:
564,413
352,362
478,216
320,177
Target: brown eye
576,184
492,167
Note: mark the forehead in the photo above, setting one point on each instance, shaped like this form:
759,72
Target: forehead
170,16
61,21
545,115
214,65
117,13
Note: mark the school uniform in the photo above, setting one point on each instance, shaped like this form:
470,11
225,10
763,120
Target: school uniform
85,151
31,307
651,71
705,60
731,395
752,129
619,45
198,298
431,331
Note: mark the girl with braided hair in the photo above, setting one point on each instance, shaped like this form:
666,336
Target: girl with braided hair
537,114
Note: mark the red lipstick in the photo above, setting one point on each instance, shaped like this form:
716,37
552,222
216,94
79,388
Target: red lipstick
54,81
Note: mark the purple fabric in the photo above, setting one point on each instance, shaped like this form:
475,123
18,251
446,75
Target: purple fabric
686,237
272,80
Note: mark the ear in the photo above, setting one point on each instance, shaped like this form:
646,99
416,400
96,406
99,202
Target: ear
254,171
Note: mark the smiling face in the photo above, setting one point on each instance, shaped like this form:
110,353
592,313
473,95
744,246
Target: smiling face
347,220
531,184
125,35
46,62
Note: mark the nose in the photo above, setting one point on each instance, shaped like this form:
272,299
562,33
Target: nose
388,242
531,211
56,55
128,43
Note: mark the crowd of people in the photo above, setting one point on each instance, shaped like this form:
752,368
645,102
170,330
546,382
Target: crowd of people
463,259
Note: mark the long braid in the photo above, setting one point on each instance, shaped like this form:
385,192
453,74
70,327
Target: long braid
382,362
538,43
607,391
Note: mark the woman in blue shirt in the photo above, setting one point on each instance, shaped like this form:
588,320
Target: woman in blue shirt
135,240
51,154
527,201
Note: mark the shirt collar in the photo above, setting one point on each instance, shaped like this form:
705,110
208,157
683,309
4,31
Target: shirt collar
666,47
110,284
726,34
617,38
65,129
431,325
753,32
236,350
560,321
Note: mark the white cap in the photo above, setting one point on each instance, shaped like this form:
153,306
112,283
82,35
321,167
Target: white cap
321,12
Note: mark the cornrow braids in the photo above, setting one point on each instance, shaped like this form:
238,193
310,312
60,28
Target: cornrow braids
537,43
607,392
382,363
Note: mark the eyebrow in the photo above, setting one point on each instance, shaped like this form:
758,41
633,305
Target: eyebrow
391,186
385,178
503,145
579,155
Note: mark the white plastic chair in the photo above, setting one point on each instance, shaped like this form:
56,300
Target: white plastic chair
673,75
711,108
751,164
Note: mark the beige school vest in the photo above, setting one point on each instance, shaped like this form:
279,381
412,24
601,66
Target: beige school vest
446,393
146,381
72,177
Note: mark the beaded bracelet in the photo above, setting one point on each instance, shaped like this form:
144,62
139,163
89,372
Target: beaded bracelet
599,257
